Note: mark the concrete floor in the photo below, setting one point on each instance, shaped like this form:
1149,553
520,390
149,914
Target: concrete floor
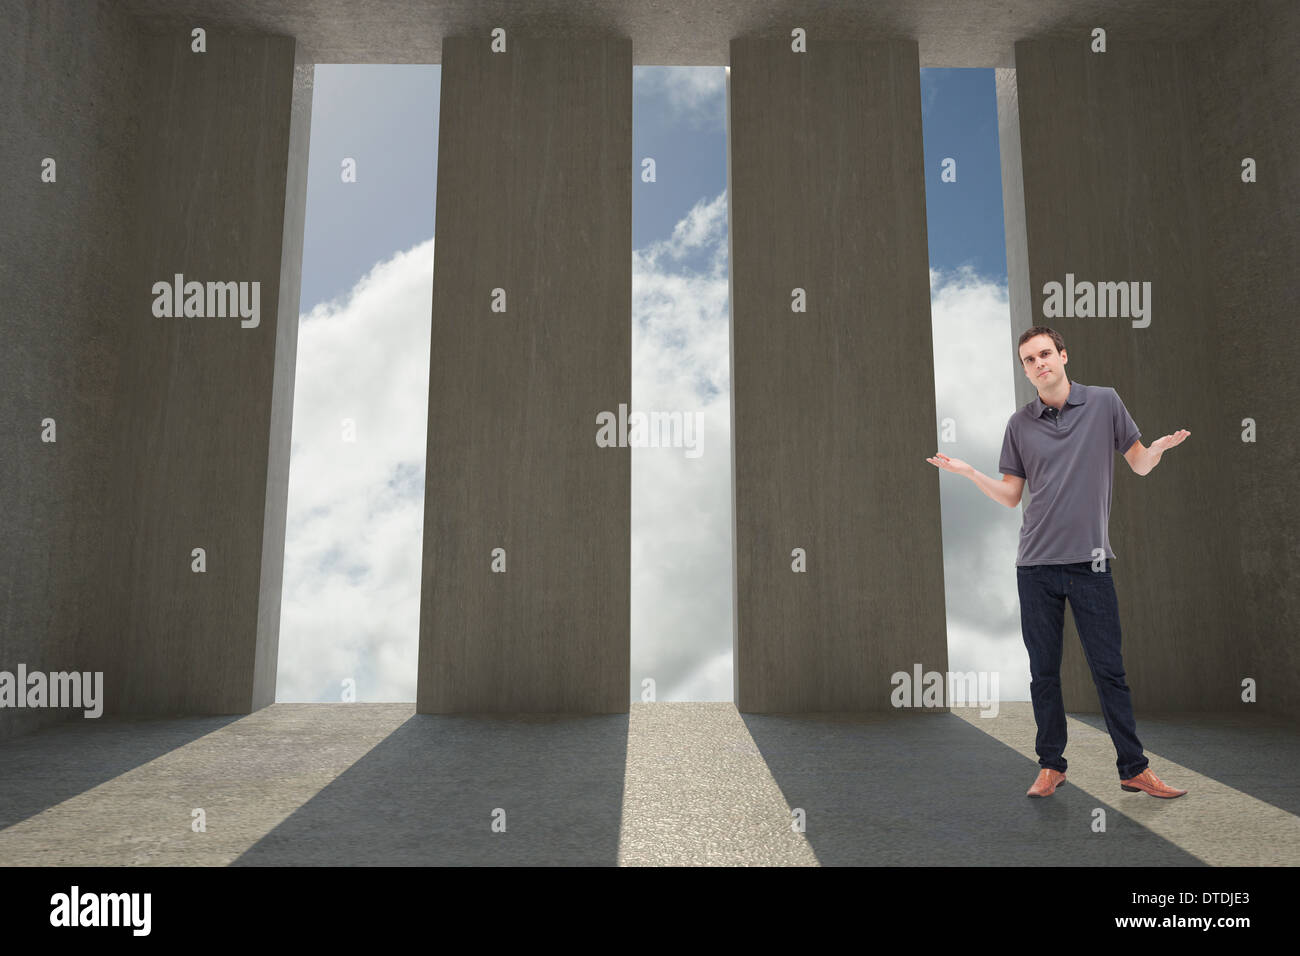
671,783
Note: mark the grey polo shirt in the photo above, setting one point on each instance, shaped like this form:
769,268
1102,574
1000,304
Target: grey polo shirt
1067,461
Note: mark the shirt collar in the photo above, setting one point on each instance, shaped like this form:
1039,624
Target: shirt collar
1074,398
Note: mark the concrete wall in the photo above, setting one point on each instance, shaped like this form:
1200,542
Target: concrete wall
1246,89
286,353
70,82
534,197
827,195
1112,150
196,401
173,433
168,428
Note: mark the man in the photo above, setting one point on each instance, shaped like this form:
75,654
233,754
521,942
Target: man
1062,443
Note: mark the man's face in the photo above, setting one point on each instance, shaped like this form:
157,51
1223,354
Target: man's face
1043,365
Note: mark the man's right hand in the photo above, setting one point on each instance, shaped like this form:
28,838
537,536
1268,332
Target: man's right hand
955,465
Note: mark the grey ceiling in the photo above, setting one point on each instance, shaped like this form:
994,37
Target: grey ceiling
952,33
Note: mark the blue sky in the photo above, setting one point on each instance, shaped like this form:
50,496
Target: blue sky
352,556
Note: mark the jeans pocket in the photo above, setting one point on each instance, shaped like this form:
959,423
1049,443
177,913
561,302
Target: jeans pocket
1097,579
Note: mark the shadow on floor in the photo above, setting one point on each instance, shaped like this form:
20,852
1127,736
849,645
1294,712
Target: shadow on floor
930,789
47,766
426,796
1256,753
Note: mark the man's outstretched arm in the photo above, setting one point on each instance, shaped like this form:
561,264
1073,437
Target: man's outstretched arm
1004,492
1142,459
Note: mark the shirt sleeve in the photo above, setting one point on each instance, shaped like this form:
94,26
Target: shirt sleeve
1009,463
1126,432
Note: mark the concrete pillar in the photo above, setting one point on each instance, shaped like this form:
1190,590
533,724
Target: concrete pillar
172,433
833,407
1247,91
1131,168
204,404
61,285
534,200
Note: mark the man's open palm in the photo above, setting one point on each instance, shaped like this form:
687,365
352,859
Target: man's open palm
955,465
1169,441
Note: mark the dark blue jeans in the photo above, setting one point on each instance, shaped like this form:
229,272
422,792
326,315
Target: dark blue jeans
1043,592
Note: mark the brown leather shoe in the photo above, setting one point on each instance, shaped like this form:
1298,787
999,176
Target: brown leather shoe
1046,784
1148,782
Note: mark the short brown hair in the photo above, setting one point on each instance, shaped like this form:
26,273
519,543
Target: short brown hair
1040,330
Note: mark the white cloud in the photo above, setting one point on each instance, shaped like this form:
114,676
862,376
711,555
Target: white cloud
351,604
973,370
690,92
681,507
